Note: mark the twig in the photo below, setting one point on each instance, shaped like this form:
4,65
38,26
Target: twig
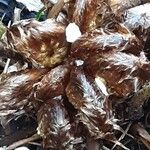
53,13
147,144
8,60
119,144
3,17
6,66
139,131
35,143
123,135
17,15
24,141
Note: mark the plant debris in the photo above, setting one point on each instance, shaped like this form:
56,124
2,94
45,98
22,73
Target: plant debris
81,91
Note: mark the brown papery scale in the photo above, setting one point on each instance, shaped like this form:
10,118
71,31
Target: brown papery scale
94,109
113,38
137,20
54,126
87,14
42,43
94,88
113,55
118,7
53,83
124,74
16,91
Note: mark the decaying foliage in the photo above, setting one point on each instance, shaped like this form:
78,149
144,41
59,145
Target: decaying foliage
86,93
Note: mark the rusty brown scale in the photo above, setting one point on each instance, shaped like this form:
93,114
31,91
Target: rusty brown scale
124,74
16,91
43,44
92,104
114,56
54,125
115,37
53,83
87,14
112,62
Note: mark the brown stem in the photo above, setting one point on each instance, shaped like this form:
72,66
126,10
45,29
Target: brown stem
147,144
24,141
141,134
53,13
17,135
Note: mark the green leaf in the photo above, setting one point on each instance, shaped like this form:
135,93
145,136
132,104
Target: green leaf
40,13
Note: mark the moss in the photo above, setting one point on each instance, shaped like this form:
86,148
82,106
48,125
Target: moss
2,29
